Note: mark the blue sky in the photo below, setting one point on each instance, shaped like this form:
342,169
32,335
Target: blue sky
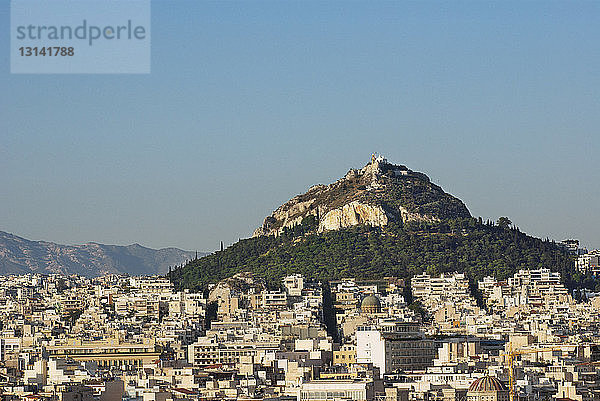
249,103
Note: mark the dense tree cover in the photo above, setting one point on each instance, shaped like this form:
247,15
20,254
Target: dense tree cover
504,222
466,245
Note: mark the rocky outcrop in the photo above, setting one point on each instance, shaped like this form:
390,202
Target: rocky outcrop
352,214
241,283
412,216
287,215
373,195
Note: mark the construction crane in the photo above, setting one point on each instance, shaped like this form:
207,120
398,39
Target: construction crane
511,366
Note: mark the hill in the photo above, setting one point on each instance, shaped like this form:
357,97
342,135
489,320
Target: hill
20,256
382,220
375,195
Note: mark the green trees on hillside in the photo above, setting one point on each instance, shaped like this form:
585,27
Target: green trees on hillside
467,245
504,222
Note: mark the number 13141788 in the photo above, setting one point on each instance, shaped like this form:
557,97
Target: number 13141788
50,51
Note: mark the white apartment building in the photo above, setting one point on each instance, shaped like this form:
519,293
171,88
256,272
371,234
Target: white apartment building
539,288
590,262
531,277
212,351
393,345
294,285
324,390
274,299
152,284
424,286
9,346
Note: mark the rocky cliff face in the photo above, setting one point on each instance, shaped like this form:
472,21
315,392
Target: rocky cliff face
352,214
20,256
378,193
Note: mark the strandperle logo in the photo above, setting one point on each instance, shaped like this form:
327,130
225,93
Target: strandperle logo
80,36
85,31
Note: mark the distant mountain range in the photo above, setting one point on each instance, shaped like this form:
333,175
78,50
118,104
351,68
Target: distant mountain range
20,256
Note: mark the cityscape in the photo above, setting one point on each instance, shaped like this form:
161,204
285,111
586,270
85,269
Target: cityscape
138,338
299,200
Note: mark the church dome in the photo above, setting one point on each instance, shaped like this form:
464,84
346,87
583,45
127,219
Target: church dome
370,304
487,383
